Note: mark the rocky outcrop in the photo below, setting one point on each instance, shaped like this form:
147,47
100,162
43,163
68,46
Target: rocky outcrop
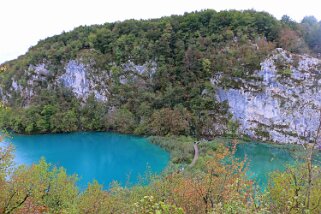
78,78
131,71
83,79
282,104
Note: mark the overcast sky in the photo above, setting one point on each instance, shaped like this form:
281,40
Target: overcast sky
24,22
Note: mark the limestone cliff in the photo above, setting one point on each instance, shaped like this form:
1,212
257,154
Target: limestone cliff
283,103
82,78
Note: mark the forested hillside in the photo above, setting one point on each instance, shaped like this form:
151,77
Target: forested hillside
201,74
152,77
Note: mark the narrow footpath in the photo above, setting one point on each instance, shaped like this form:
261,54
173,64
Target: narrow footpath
195,154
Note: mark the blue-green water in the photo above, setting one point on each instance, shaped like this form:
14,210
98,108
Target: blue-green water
263,159
103,156
109,157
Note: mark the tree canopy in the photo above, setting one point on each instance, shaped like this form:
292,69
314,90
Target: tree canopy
182,53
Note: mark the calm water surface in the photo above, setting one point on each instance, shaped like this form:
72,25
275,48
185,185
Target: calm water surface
105,157
265,158
109,157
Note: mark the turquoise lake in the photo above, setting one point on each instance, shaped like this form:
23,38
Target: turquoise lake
265,158
103,156
109,157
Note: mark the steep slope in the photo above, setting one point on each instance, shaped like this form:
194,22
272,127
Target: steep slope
167,76
285,106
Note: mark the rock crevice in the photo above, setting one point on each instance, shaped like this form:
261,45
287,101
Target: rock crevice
286,109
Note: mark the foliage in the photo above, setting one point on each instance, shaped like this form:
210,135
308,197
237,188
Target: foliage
37,189
291,41
286,72
93,199
174,95
288,191
218,185
122,120
312,32
148,205
180,148
6,158
166,121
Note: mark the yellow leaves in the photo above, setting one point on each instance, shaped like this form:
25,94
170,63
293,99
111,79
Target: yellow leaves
288,190
220,183
223,181
3,106
94,199
40,187
3,68
148,205
31,206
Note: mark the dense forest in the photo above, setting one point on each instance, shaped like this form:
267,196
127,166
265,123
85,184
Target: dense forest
177,97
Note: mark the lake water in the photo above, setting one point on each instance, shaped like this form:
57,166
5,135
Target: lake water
103,156
109,157
265,158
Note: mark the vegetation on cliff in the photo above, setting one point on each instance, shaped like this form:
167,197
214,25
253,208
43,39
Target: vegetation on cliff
177,98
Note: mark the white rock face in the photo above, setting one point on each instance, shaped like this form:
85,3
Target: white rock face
148,68
77,77
15,85
133,71
40,70
283,105
34,75
83,79
286,108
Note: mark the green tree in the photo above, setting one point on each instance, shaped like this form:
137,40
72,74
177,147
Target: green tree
40,188
170,121
148,205
121,120
288,190
94,200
